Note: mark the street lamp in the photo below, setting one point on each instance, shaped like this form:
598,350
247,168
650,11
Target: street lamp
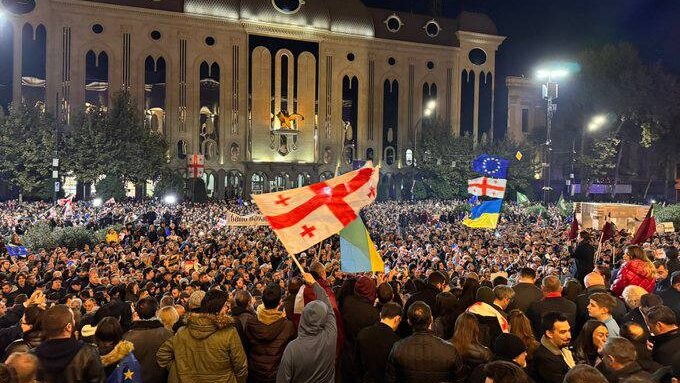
549,75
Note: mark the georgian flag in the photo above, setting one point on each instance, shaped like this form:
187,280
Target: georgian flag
485,186
305,216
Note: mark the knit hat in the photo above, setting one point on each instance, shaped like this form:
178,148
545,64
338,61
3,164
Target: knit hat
508,346
195,299
365,288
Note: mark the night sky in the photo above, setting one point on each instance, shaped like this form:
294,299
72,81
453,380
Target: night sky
539,30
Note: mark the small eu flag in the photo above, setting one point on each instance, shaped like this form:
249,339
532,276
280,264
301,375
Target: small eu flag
492,166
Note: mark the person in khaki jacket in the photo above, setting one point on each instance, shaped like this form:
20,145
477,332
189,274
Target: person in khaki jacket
208,348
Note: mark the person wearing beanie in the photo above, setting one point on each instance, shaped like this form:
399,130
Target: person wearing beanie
358,312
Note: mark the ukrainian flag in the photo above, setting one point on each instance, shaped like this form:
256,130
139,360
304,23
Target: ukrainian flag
484,215
357,251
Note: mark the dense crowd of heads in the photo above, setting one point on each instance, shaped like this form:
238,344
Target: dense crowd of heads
507,303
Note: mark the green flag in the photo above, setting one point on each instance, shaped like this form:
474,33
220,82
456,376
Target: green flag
522,198
562,205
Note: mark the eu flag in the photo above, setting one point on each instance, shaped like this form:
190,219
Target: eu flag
491,166
16,251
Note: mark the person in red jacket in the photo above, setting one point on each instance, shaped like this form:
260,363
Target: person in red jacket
638,271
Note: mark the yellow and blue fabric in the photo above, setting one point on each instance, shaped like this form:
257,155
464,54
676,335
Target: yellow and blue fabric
357,251
485,215
491,166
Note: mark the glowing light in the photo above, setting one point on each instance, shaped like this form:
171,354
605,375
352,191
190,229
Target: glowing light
432,104
170,199
97,202
597,122
428,112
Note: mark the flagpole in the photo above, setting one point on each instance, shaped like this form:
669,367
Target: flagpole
599,246
302,271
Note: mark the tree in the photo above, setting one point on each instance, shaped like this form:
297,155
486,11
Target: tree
111,186
89,146
598,161
641,102
27,139
170,182
141,152
444,162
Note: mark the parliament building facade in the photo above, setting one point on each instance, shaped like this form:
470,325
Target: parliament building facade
274,93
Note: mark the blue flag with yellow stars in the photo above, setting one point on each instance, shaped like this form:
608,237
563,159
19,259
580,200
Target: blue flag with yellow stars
495,167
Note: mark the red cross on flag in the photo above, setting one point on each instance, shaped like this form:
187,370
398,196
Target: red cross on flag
485,186
305,216
195,165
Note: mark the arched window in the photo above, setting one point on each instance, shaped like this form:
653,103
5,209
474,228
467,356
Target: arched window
233,185
257,183
154,92
96,79
369,154
209,110
6,64
389,155
33,64
181,149
279,183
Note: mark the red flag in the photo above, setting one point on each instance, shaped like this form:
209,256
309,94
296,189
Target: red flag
646,230
305,216
573,232
607,232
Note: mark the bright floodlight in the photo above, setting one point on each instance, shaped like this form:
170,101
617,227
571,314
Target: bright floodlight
428,112
552,73
97,202
170,199
600,119
597,122
432,104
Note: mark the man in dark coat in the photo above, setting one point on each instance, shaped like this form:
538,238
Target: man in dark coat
584,255
663,325
552,359
436,282
595,283
147,334
552,301
267,335
62,357
526,291
358,313
671,296
406,363
620,361
374,343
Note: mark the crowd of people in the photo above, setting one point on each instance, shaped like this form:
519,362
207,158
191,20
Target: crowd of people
172,295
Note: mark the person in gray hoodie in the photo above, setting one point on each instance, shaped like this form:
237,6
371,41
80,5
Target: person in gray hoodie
311,356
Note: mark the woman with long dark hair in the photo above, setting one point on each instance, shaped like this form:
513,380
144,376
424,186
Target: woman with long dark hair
590,342
521,326
466,341
447,307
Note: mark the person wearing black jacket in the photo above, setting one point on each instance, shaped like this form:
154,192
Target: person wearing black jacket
584,255
553,359
374,344
595,283
405,363
436,282
358,313
62,357
147,334
663,325
552,301
267,335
